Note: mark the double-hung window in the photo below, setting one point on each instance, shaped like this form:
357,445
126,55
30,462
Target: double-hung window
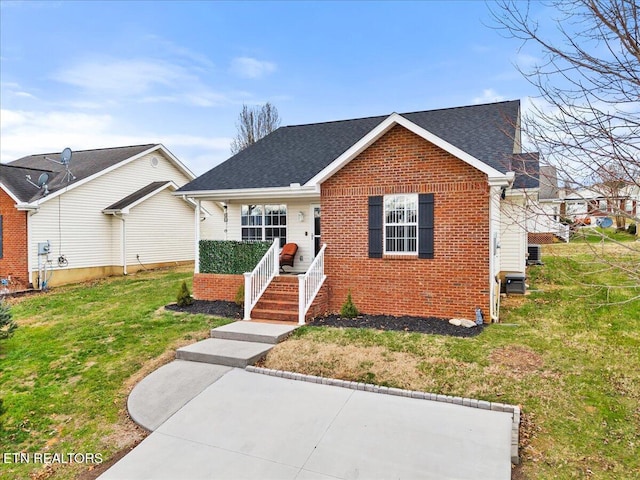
264,223
401,224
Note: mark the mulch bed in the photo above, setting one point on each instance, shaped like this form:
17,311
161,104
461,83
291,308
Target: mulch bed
433,325
218,308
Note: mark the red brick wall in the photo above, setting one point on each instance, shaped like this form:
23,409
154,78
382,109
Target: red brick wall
320,305
14,260
453,283
213,286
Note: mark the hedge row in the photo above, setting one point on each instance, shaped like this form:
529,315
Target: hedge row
230,257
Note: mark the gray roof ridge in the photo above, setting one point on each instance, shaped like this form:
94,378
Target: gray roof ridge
19,167
461,106
336,121
401,114
88,150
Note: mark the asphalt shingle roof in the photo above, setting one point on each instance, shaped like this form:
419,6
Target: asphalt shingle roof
84,163
295,154
137,195
527,169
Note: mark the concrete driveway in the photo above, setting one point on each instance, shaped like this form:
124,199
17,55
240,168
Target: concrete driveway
251,426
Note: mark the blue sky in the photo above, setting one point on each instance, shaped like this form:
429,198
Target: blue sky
102,74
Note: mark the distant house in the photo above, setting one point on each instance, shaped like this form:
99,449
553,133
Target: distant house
587,206
109,211
545,219
421,213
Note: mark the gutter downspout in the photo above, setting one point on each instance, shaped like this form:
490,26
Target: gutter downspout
124,242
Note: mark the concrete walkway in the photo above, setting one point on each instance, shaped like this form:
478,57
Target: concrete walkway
213,421
251,426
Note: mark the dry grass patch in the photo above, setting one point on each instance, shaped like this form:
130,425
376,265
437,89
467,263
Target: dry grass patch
364,364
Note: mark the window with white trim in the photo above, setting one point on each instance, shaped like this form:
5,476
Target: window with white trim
401,224
264,223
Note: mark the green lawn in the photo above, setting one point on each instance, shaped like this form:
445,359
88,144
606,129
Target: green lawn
66,372
571,361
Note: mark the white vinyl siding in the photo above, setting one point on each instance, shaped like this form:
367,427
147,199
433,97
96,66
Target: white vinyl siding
513,236
75,225
160,229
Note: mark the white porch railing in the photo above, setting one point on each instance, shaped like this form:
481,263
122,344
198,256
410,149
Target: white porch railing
544,223
257,281
309,284
563,231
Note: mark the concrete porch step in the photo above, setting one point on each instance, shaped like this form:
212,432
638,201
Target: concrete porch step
232,353
253,332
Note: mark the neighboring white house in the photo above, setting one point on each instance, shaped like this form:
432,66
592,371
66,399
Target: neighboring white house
108,211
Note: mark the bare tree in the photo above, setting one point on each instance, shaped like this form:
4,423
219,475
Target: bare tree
585,121
253,124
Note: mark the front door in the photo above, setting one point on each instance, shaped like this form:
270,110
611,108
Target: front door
315,235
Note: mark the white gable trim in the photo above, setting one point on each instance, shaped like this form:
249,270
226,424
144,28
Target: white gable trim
386,125
159,147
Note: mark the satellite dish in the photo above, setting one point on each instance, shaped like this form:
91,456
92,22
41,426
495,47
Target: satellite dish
66,156
605,222
42,180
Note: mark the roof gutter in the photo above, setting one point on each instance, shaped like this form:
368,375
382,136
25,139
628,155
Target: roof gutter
292,191
28,207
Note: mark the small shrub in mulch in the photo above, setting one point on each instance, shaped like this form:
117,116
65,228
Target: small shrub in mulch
349,310
218,308
433,325
184,298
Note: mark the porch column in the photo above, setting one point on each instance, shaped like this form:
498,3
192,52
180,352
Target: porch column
197,237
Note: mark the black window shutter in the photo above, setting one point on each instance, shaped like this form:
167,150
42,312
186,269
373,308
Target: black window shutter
425,225
375,227
1,236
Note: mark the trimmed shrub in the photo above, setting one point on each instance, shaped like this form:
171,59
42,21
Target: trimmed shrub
239,298
348,309
184,298
632,228
7,325
230,257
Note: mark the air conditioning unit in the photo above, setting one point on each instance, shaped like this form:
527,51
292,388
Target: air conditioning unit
535,255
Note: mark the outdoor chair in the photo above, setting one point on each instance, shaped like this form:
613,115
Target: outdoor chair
288,255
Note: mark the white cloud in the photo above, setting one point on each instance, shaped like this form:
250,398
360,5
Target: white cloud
141,80
488,95
29,132
122,77
25,133
247,67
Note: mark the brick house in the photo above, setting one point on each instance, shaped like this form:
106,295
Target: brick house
13,245
420,213
108,214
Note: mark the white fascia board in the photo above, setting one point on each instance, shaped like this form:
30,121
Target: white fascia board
502,180
125,211
384,127
254,193
159,147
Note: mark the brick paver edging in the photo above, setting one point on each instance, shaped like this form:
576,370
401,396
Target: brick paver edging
368,387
